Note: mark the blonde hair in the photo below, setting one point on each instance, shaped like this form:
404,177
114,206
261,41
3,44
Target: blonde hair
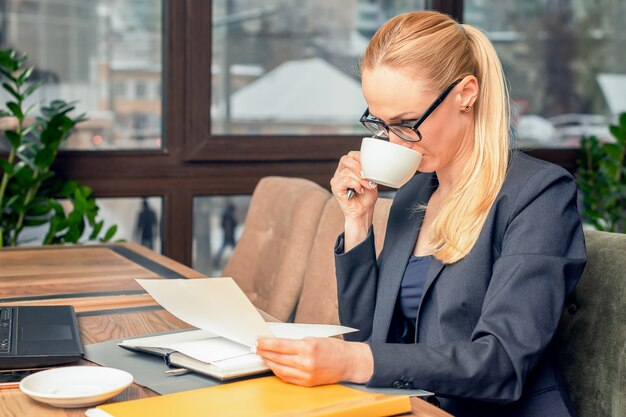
432,46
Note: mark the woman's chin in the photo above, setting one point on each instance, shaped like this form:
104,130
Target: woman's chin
426,167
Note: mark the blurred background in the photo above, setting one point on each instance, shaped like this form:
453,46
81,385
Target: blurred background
191,103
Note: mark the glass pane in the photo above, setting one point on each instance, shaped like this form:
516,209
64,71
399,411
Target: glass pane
291,66
565,62
138,220
217,226
104,54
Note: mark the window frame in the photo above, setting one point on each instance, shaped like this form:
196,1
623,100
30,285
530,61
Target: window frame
194,163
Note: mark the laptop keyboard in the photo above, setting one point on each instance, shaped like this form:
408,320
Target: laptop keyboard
6,327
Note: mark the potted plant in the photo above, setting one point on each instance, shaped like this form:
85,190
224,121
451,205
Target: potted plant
601,177
30,192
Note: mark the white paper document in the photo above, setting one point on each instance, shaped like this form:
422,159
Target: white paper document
218,307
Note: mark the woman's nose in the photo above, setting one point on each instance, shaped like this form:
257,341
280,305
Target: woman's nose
393,138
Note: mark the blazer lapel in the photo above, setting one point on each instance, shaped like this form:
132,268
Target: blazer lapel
397,257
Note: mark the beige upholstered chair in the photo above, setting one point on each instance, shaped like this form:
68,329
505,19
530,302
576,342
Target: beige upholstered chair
269,260
318,300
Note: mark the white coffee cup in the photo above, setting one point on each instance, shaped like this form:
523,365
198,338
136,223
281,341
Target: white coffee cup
387,163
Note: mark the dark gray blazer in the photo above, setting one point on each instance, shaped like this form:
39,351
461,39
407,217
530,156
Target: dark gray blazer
485,323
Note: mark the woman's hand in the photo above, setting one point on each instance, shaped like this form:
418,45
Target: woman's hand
359,210
317,361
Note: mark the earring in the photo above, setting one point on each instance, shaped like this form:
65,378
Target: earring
467,109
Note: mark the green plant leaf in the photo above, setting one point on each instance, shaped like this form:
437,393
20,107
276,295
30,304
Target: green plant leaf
50,136
58,208
30,109
35,222
13,137
52,230
81,118
97,228
30,161
72,235
7,74
110,233
92,207
9,88
23,175
622,120
58,103
32,88
85,191
7,168
28,129
68,189
11,202
27,148
80,204
4,113
25,75
613,150
44,159
7,59
38,210
16,110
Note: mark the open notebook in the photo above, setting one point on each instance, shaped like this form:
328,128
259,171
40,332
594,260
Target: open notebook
227,327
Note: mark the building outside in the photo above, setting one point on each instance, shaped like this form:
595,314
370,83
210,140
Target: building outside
553,53
106,55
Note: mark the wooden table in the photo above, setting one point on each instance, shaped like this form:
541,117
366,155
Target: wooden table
99,281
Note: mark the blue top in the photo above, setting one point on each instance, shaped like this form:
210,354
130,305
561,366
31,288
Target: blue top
412,286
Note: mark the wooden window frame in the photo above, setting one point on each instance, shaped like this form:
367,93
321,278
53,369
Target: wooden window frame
193,162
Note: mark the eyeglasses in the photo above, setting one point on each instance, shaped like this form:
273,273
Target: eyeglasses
407,129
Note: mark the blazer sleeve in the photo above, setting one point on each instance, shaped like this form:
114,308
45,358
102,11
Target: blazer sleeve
543,255
357,280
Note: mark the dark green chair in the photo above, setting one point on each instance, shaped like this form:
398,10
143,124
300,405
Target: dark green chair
592,334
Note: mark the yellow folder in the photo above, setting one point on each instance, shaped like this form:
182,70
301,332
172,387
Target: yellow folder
261,397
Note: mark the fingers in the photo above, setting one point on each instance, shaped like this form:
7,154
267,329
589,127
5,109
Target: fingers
289,374
292,353
348,175
347,179
285,359
278,345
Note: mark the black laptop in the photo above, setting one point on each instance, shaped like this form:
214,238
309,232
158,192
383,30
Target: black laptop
38,336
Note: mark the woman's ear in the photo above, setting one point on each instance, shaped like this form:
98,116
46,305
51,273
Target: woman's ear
468,92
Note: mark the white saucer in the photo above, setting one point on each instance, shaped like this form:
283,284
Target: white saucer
75,386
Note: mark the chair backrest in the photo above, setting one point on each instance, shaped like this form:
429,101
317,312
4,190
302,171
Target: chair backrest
591,339
269,260
318,300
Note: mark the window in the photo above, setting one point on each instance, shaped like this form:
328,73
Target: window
291,68
120,89
137,220
140,90
565,63
200,160
217,225
85,51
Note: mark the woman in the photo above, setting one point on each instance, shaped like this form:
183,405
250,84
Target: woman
482,246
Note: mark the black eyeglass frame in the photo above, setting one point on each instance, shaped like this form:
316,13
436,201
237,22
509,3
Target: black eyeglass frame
414,127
